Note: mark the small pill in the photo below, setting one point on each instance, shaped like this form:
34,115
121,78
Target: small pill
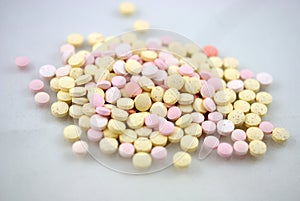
75,39
47,71
264,98
63,71
98,122
141,25
193,129
166,128
22,62
257,148
209,104
127,8
211,142
215,116
254,133
240,148
142,102
103,111
66,83
246,74
152,121
209,127
173,113
36,85
143,144
72,133
42,98
67,48
80,148
238,135
225,150
126,150
265,79
159,153
197,117
94,135
225,127
97,100
266,127
94,38
142,160
186,70
104,84
189,143
236,85
182,159
280,135
118,81
112,95
210,50
108,145
59,109
207,91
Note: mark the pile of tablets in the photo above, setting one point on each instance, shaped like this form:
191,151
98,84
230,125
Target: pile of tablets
134,97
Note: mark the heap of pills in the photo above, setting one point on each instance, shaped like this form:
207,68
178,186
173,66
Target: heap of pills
134,97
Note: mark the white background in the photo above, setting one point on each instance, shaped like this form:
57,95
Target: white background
37,164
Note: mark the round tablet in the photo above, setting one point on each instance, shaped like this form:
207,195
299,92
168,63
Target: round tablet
174,113
264,79
80,148
42,98
224,150
142,144
103,111
108,145
238,135
240,148
47,71
186,70
72,133
141,25
254,133
257,148
118,81
209,104
189,143
280,135
166,128
59,109
75,39
246,74
266,127
36,85
22,61
94,135
252,120
197,117
182,159
98,122
141,160
126,150
127,8
225,127
159,153
215,116
67,48
211,142
209,127
236,85
210,50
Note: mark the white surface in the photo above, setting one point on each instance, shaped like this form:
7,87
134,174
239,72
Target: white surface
37,164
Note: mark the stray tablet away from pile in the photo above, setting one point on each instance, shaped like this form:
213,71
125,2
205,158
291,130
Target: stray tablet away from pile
135,97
